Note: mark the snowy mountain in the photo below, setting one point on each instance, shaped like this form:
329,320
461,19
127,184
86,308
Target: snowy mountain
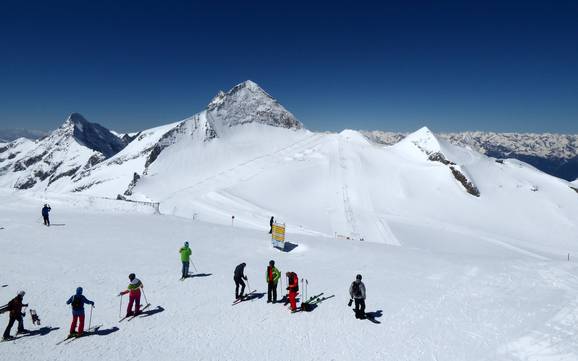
245,149
52,161
555,154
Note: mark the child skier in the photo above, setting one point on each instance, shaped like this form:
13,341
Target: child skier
134,291
15,308
293,288
272,277
185,252
78,301
357,293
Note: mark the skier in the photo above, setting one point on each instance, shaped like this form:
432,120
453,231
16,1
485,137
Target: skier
271,221
185,252
272,276
293,288
357,293
134,292
238,277
45,211
15,308
78,301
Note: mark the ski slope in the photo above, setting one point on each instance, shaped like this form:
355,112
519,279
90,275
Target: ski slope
444,294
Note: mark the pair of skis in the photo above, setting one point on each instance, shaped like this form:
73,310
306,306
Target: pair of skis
91,331
132,317
244,298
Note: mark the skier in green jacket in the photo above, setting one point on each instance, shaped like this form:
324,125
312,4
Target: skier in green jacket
185,252
272,277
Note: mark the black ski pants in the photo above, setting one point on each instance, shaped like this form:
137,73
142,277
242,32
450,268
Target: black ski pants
359,308
46,220
272,292
11,323
239,282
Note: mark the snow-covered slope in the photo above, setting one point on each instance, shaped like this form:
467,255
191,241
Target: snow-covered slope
447,294
51,162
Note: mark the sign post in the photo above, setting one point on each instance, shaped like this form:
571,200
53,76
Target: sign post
278,236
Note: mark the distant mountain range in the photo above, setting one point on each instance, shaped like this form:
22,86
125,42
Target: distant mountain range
8,135
555,154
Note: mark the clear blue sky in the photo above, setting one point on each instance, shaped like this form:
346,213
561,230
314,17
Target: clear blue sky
129,65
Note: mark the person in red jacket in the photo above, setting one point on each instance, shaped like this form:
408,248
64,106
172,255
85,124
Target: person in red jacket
293,288
134,293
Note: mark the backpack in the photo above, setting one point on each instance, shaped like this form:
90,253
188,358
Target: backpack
356,290
77,302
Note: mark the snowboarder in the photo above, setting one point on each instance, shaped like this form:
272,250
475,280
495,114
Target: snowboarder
357,293
238,277
15,308
134,291
45,210
185,252
293,288
272,276
78,301
271,221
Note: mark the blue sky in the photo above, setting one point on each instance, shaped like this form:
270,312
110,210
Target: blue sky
130,65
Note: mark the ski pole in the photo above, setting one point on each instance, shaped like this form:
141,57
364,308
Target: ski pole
120,307
90,318
249,285
145,296
195,267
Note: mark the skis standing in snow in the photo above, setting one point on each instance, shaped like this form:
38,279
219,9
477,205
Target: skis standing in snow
357,293
238,277
134,293
78,301
293,288
185,252
45,210
271,221
15,309
272,277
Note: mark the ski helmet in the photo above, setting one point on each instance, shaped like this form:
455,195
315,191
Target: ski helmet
271,263
186,243
131,276
79,290
21,293
358,277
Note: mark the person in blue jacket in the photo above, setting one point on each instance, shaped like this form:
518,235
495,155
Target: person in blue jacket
78,301
45,210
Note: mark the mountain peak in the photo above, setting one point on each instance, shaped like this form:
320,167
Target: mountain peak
425,140
92,135
246,103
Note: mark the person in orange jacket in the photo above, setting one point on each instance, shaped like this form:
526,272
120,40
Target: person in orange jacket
293,288
134,292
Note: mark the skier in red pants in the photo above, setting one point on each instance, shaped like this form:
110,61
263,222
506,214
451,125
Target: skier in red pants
293,288
134,293
78,301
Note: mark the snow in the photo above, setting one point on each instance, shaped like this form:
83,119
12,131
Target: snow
455,275
445,294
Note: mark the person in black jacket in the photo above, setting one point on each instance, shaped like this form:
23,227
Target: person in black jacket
45,210
238,277
271,221
15,308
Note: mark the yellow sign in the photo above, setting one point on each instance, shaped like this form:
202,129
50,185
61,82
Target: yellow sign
278,235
